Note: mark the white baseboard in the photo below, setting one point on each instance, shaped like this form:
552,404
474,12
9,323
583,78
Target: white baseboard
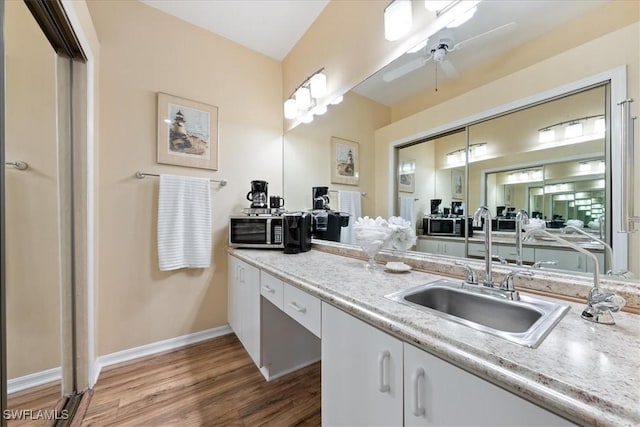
267,375
33,380
156,347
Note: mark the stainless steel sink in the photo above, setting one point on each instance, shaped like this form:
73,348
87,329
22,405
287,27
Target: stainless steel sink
526,322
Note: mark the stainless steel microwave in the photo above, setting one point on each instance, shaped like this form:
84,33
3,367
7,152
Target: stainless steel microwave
261,231
457,227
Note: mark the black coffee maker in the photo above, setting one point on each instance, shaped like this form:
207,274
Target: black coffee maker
258,194
327,224
297,232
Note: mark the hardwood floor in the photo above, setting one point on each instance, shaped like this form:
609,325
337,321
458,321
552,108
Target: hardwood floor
213,383
42,398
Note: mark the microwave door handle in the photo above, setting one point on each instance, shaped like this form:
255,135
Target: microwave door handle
268,225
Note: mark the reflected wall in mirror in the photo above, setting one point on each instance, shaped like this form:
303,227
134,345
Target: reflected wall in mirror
307,152
33,306
419,115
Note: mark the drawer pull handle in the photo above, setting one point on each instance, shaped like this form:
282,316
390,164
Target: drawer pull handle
297,308
418,410
384,386
268,289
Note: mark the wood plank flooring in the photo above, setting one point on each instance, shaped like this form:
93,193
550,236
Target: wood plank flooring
45,397
213,383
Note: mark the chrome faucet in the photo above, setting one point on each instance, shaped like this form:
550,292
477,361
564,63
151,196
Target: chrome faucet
522,217
600,304
483,213
470,274
607,248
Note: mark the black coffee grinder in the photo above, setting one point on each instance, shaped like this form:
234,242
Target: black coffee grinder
326,223
258,195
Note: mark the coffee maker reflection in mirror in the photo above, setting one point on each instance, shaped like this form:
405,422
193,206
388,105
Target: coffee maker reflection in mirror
327,223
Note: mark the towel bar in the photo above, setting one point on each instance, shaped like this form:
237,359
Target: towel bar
141,175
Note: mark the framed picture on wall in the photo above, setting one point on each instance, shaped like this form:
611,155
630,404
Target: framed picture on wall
407,176
187,133
457,183
345,160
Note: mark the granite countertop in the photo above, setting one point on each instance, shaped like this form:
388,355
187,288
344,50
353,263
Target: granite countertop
586,372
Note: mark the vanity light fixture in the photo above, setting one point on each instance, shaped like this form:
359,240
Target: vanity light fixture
305,102
397,19
337,100
584,129
437,5
476,151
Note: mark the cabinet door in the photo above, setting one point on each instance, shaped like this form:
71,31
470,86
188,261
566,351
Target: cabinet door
249,307
244,305
439,393
453,248
509,253
233,295
361,372
566,260
428,245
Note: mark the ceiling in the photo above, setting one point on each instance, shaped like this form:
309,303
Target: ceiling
271,27
530,18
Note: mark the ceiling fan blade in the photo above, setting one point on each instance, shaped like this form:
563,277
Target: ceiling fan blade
498,30
449,70
405,69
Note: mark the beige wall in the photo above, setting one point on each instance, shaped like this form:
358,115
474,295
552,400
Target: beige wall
138,304
574,64
347,39
307,151
33,288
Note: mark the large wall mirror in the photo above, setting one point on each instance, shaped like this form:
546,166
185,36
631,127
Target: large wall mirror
551,157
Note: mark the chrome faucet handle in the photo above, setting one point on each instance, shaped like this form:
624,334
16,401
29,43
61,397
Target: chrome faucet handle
539,264
600,305
502,259
507,283
471,276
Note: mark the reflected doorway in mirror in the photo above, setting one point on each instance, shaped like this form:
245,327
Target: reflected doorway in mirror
345,159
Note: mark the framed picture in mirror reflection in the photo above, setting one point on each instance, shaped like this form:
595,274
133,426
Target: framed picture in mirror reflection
345,159
406,176
457,183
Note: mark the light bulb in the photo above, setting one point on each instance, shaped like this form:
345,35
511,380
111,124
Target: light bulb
318,85
320,110
303,98
397,19
546,135
290,109
573,130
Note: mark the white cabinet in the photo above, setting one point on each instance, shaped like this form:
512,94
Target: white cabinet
438,393
361,372
243,305
447,247
509,252
569,259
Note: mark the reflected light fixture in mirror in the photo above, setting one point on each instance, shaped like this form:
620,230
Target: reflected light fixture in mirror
305,100
573,131
397,19
476,151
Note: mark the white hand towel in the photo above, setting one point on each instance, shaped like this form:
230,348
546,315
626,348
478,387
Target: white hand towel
407,210
349,202
184,223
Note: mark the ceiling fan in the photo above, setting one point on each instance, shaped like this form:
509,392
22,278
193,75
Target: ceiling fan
438,52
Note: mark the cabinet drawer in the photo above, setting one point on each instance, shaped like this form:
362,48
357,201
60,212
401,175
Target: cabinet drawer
272,289
302,307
